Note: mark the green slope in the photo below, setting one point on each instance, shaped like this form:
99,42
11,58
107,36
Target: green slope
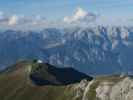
15,84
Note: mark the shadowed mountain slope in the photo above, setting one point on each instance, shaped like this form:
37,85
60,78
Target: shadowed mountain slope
30,80
45,74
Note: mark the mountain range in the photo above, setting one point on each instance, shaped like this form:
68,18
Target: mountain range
92,50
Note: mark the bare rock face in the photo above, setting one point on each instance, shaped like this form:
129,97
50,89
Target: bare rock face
123,90
82,89
103,91
109,88
79,89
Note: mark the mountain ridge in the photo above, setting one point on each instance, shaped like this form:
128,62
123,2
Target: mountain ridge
15,85
44,73
91,47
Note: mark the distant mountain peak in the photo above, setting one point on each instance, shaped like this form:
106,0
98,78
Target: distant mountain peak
83,48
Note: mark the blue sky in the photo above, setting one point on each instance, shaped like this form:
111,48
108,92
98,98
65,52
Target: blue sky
55,9
110,11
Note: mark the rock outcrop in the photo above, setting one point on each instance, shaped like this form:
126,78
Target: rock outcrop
109,88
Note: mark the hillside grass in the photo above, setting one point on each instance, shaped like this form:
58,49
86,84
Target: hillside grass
16,85
18,88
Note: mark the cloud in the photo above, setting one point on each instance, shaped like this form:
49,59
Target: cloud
38,20
80,15
21,20
13,20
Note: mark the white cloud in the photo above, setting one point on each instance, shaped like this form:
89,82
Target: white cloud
25,20
13,20
80,15
38,20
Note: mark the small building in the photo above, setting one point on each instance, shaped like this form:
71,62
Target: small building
39,61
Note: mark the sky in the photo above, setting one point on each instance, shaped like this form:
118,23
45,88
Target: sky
60,9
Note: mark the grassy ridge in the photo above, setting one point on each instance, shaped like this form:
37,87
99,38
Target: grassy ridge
16,85
18,88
